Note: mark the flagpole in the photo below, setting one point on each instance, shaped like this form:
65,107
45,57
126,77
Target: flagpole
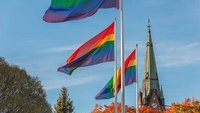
122,57
137,107
115,66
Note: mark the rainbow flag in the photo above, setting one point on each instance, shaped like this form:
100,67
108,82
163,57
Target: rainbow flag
97,50
130,76
65,10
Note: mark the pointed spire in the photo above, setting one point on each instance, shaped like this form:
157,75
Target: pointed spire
150,81
150,69
161,93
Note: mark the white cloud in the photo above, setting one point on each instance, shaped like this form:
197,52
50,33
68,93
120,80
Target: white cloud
69,82
169,54
61,48
178,54
130,45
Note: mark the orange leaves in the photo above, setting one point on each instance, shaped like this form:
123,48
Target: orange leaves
97,109
111,108
148,109
188,106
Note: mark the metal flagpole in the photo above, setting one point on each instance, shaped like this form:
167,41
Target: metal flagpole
122,57
137,107
115,66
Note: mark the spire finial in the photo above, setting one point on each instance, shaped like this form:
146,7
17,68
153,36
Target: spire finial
149,42
149,23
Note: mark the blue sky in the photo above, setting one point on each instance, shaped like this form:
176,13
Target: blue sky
40,47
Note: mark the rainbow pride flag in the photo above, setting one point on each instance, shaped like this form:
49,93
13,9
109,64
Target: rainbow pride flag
97,50
65,10
130,77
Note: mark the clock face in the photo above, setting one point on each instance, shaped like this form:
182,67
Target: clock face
154,105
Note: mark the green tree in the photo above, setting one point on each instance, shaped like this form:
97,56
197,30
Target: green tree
64,103
19,92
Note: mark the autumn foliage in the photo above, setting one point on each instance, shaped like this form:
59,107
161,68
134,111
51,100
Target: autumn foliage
110,109
188,106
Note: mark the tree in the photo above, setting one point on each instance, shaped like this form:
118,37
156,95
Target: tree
188,106
110,108
128,109
64,103
148,109
19,92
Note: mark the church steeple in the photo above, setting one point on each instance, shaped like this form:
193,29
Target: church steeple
150,69
150,85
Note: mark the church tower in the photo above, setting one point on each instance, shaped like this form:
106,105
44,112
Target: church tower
151,93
